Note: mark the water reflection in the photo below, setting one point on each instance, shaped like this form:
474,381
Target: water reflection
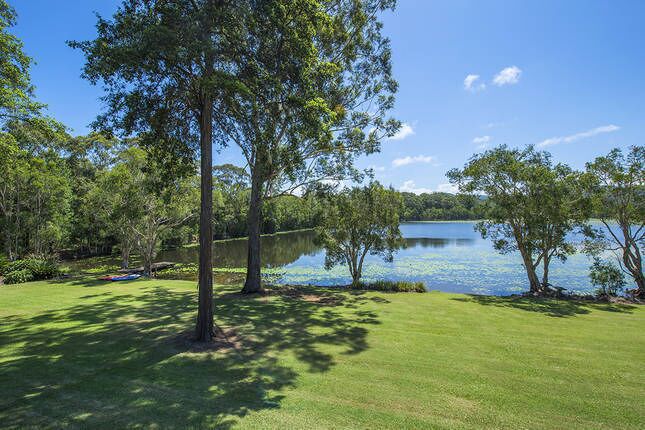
277,250
435,242
445,256
286,248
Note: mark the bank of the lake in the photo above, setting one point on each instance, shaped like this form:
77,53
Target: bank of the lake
446,256
85,354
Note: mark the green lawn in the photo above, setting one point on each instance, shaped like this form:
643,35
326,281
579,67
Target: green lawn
89,354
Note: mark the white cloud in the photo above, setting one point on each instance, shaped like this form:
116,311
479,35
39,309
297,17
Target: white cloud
508,76
481,139
405,131
582,135
398,162
377,168
410,187
470,83
447,188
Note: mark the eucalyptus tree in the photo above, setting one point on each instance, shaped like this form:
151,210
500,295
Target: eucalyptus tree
162,64
314,89
532,205
358,222
618,189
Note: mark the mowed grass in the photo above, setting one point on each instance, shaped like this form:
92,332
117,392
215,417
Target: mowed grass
88,354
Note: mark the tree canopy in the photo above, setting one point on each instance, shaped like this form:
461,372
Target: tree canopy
357,222
532,205
617,186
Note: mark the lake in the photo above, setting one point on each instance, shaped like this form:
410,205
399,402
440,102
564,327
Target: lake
446,256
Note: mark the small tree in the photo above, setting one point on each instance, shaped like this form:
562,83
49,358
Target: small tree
140,207
360,221
617,184
609,278
532,205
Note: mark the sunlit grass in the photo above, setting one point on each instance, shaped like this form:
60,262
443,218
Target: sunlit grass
85,353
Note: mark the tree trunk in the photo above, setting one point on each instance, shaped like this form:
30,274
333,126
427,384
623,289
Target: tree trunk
204,328
545,272
125,253
632,260
147,265
534,282
253,283
640,283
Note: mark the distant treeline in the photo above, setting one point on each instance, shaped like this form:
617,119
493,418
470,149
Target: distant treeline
441,206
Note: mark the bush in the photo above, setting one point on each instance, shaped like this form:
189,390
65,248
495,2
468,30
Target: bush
392,286
608,277
43,269
18,276
29,269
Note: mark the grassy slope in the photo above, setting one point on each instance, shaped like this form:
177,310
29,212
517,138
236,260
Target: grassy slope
84,353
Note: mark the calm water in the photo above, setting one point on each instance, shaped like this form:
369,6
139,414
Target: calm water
445,256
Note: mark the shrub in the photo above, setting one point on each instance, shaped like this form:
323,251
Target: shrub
43,269
608,277
392,286
18,276
183,271
29,269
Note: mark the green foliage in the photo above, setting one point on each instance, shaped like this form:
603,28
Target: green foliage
16,91
391,286
357,222
441,206
35,199
609,278
616,183
30,269
316,93
161,64
141,207
4,262
18,276
34,190
532,205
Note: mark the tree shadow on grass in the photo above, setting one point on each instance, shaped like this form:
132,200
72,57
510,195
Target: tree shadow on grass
558,308
119,361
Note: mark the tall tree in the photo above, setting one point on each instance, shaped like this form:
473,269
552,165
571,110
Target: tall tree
162,64
618,189
315,86
532,205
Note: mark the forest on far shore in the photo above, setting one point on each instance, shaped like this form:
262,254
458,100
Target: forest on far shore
63,192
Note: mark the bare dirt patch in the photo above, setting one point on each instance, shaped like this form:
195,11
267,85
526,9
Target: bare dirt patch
225,340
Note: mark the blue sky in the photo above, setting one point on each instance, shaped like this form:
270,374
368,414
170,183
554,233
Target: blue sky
566,75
